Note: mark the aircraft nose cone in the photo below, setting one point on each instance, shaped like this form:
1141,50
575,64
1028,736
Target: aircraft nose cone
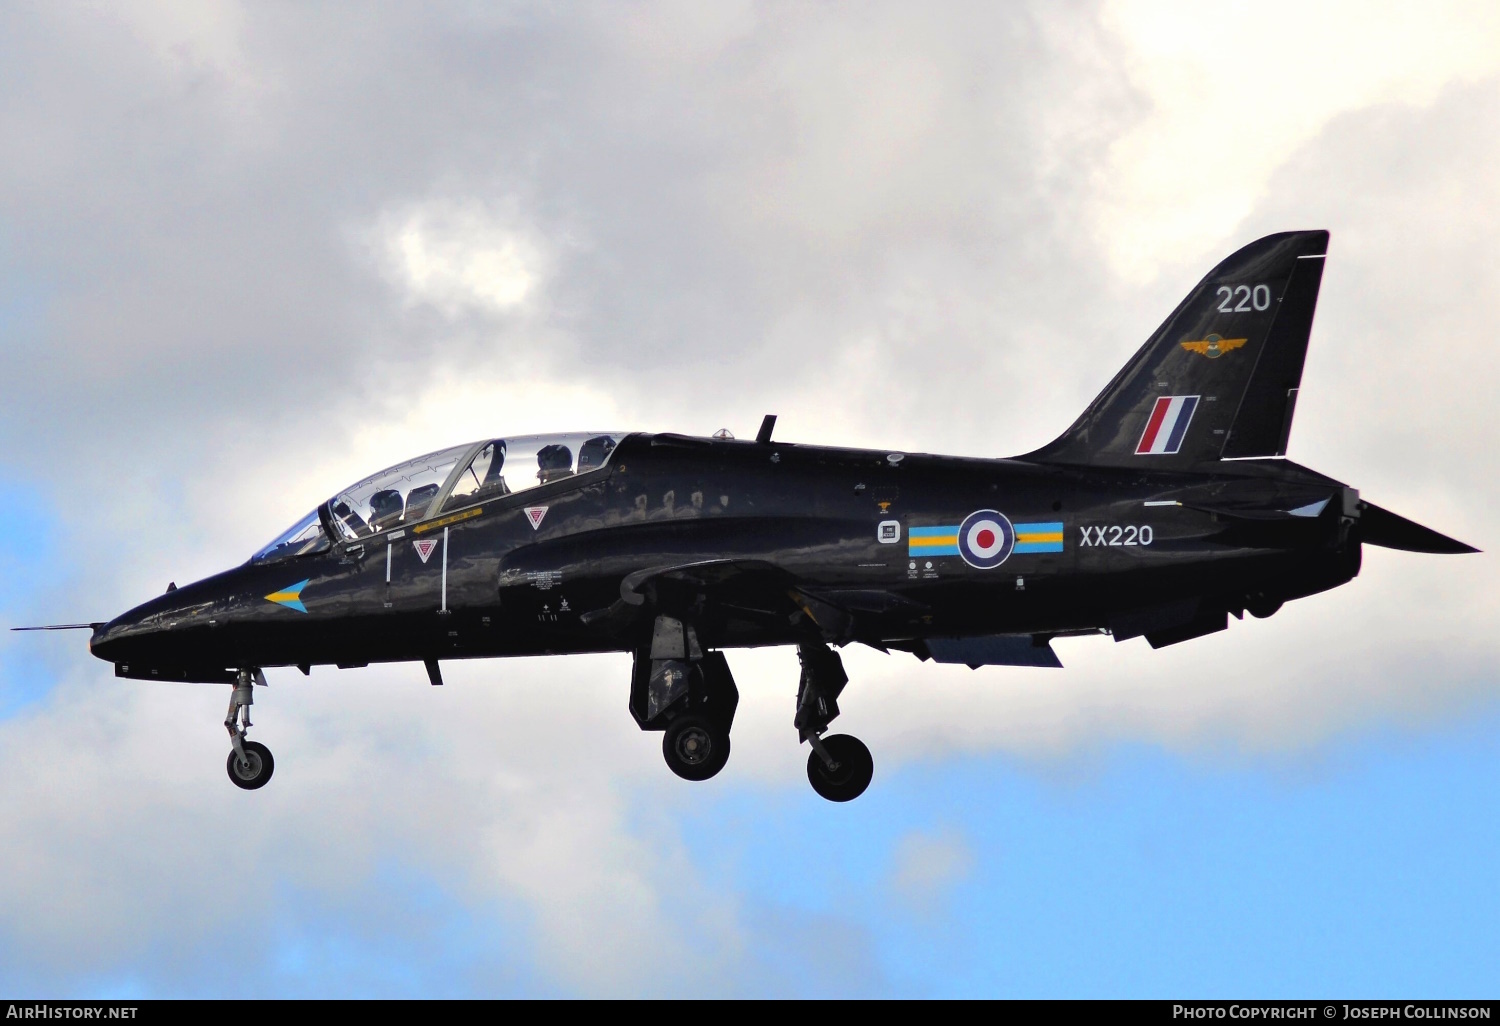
114,640
156,629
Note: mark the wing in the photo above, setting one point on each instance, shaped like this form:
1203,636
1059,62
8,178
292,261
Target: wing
765,594
733,597
743,598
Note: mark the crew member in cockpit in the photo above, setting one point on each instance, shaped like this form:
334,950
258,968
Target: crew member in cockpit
482,479
554,462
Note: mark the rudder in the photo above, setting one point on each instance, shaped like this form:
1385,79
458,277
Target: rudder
1219,378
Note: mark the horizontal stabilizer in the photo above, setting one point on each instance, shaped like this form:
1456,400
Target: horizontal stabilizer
1382,527
994,650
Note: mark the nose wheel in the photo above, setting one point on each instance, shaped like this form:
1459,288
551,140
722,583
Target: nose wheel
694,747
250,764
255,769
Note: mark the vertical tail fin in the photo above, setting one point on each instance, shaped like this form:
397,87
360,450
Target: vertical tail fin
1219,378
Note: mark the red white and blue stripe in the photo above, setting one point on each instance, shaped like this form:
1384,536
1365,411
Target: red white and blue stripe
1167,425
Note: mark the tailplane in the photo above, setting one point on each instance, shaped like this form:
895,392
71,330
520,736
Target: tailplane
1219,379
1382,527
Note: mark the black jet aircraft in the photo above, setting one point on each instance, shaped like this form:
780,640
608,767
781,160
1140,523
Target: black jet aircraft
1164,510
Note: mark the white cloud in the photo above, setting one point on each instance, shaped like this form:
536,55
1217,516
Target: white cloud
1234,89
186,35
460,256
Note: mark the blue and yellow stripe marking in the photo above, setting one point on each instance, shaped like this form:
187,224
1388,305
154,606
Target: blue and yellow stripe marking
932,541
1046,537
943,541
290,597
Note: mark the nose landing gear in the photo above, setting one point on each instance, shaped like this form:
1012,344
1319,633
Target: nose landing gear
250,764
254,768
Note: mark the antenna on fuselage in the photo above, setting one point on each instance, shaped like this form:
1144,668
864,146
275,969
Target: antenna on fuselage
767,425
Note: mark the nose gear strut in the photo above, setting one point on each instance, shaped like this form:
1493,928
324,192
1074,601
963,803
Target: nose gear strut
250,764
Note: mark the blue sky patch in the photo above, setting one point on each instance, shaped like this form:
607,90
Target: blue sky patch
1363,870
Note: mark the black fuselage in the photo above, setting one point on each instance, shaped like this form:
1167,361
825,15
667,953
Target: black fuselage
787,540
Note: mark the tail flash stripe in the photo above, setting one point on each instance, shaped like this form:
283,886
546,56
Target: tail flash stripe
1184,415
1168,425
1153,426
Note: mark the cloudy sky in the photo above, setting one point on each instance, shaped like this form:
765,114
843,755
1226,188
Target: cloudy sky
252,252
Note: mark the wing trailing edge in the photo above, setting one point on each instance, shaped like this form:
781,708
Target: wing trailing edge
994,650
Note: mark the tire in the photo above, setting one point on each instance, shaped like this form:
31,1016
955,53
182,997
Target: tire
856,769
694,747
260,768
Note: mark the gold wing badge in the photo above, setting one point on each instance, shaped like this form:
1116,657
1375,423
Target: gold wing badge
1212,346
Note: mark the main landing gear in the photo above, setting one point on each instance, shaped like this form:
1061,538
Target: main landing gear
839,767
695,748
687,694
690,696
250,764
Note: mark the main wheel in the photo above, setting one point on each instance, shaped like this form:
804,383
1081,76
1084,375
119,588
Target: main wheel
856,769
255,770
694,748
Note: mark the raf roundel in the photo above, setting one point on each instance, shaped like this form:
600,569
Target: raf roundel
986,539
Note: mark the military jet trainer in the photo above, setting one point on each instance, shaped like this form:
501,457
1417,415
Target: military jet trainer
1163,511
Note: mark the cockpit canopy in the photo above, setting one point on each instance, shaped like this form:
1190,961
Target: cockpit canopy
441,482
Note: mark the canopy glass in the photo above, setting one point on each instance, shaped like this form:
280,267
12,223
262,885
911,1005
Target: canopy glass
443,481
